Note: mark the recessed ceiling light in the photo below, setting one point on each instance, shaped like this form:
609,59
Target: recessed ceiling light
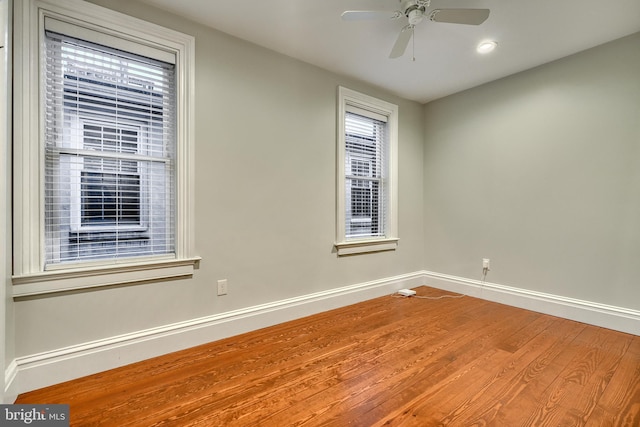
486,47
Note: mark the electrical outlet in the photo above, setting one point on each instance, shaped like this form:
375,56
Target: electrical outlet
486,264
222,287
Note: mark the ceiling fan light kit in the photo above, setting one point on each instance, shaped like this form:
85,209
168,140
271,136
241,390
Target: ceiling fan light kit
415,11
415,16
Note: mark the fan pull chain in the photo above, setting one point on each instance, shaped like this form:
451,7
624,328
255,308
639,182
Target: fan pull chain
413,43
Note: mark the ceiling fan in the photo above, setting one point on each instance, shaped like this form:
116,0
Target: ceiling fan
415,11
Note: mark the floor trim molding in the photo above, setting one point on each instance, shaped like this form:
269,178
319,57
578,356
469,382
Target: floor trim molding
40,370
606,316
10,392
63,364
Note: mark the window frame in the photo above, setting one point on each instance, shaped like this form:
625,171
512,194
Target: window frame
375,108
29,274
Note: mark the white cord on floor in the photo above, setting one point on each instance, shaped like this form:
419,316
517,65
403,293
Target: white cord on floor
440,297
397,295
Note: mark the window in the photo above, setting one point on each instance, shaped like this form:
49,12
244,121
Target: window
109,152
367,183
105,161
364,167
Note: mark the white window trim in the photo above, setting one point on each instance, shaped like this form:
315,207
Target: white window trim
29,276
388,111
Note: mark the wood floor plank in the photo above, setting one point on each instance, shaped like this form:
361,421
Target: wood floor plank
300,376
152,379
502,403
400,336
458,361
619,405
493,381
387,361
565,401
604,361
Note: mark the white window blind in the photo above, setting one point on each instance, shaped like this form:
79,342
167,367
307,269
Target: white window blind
365,173
109,132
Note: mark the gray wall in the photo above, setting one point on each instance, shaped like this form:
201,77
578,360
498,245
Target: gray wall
540,172
265,198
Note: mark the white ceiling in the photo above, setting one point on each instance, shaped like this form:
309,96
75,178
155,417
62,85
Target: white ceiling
529,33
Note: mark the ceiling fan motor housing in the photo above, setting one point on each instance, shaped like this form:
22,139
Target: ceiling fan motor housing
414,10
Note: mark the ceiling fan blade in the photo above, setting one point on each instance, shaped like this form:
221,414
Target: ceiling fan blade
368,15
460,16
401,43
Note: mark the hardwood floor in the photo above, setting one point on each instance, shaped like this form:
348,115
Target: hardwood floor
389,361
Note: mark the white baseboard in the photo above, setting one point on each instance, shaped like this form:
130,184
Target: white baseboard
606,316
11,390
59,365
40,370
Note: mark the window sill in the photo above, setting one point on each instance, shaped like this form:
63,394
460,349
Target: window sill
365,246
56,281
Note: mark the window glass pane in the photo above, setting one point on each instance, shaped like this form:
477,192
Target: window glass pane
364,176
109,152
109,198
